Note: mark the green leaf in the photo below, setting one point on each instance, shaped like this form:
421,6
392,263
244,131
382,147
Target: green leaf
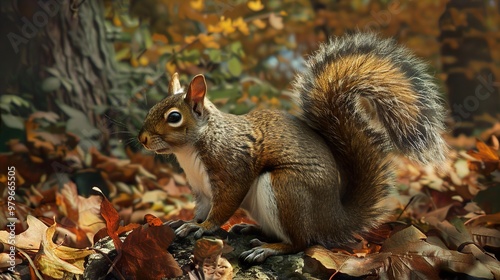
234,67
78,123
122,54
16,100
254,90
240,109
237,49
223,93
128,21
146,37
13,121
191,56
5,107
70,111
67,83
214,55
51,84
53,71
100,109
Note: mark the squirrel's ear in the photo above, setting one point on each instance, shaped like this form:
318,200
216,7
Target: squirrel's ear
196,94
174,86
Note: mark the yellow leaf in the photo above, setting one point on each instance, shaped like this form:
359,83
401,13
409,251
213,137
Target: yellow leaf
274,101
241,25
134,62
197,4
255,5
189,39
208,41
143,61
117,21
54,259
259,23
170,67
226,25
214,28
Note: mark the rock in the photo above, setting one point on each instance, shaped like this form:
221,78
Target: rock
276,267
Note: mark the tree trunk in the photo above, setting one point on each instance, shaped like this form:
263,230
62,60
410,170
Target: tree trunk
60,57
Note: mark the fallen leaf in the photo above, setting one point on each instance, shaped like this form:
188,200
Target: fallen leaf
411,256
5,261
484,236
31,238
344,263
56,260
488,159
83,212
145,255
491,219
112,219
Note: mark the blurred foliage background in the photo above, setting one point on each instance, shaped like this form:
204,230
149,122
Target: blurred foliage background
88,70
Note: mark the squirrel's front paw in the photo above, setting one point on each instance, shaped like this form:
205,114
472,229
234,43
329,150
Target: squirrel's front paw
177,223
199,229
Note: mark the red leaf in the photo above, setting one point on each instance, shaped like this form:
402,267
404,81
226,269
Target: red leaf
145,254
108,212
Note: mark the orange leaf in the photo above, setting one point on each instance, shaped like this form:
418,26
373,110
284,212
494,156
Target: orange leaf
487,156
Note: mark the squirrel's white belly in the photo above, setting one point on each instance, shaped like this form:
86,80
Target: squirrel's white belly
260,202
196,173
197,177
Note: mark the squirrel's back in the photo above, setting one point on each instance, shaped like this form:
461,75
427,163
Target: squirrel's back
368,97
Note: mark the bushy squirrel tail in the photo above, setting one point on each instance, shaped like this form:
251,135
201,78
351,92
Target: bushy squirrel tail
368,97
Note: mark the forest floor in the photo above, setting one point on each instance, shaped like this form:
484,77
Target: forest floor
446,221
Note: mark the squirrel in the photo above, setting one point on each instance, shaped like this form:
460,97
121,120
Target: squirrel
316,177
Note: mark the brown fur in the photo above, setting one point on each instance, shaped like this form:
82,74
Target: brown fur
329,168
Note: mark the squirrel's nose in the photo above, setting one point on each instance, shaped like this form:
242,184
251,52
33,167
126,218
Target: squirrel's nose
143,137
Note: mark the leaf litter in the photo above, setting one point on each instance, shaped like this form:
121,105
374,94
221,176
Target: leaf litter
447,221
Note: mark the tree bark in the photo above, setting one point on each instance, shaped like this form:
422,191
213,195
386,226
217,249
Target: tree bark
61,56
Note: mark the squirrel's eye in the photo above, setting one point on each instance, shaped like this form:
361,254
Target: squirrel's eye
174,118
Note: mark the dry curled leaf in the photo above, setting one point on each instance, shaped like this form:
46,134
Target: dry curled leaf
412,257
405,255
57,260
344,263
